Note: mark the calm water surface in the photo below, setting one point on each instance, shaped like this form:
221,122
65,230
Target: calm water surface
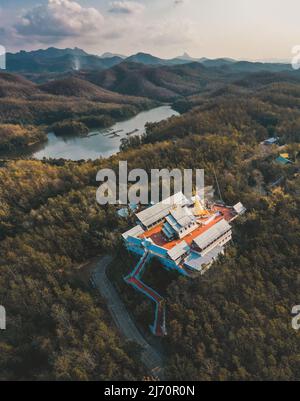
104,142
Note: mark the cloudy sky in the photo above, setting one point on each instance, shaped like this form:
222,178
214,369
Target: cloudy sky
243,29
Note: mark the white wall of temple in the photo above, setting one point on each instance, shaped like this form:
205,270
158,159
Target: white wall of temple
220,241
188,230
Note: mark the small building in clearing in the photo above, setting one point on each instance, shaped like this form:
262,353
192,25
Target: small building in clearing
271,141
283,161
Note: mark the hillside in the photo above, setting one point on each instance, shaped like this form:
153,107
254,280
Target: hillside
161,83
14,86
169,83
70,102
76,87
125,89
15,137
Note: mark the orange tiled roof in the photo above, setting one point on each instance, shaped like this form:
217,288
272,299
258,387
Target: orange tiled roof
159,239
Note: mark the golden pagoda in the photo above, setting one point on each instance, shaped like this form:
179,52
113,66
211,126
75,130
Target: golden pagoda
199,210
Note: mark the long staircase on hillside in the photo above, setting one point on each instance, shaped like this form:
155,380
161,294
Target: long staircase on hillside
134,279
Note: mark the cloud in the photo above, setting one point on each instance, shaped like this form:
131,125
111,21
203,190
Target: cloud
66,23
125,7
59,18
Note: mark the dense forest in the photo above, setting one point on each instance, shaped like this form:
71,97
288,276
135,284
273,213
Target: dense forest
15,137
65,106
233,323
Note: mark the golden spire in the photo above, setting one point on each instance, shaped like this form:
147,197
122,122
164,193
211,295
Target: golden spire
199,210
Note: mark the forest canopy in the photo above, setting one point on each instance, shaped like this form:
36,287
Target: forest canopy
234,323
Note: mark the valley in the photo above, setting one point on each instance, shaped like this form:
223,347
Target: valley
99,142
73,103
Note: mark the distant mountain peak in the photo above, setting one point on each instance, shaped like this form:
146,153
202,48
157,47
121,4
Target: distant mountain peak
144,58
111,55
186,56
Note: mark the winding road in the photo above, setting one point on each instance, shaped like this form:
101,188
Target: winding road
150,358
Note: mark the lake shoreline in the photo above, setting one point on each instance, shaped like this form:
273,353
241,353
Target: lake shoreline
98,143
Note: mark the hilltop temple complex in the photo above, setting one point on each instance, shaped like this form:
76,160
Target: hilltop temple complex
186,235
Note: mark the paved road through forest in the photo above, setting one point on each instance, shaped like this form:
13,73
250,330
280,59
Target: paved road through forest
122,319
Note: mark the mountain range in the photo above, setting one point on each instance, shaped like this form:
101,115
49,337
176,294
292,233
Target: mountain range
54,60
136,77
163,83
166,83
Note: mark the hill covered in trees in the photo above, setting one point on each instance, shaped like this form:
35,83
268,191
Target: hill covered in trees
14,137
116,93
164,83
71,100
57,326
234,322
75,87
15,86
168,83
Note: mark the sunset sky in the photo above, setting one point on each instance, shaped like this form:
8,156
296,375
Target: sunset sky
242,29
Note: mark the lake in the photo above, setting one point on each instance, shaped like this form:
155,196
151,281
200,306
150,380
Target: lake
102,142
